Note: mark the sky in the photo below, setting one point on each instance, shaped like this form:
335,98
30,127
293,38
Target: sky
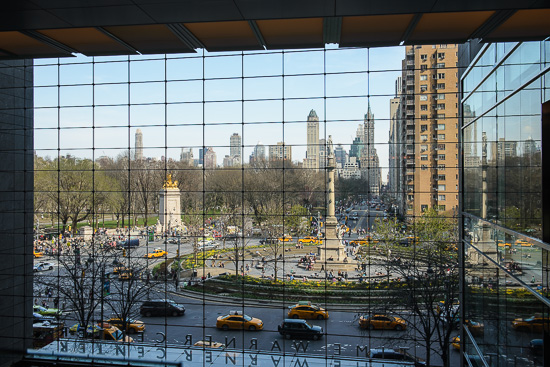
243,93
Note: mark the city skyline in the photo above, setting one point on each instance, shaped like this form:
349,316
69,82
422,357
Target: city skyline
367,76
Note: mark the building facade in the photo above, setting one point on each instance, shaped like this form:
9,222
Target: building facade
280,152
235,147
210,160
139,145
313,148
429,108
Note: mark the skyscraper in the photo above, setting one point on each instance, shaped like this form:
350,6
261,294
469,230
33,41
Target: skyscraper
139,145
312,153
258,154
186,156
340,155
368,160
235,147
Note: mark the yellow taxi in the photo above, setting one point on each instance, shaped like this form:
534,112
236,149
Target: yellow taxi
285,238
237,320
132,326
305,310
363,241
455,342
382,322
533,324
310,239
37,253
209,344
476,328
125,274
157,253
113,333
523,243
503,244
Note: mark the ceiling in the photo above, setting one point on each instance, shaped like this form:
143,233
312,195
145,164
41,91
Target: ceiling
61,28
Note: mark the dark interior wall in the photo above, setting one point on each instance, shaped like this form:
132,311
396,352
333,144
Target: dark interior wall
16,208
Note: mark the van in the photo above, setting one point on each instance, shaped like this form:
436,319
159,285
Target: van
133,242
161,307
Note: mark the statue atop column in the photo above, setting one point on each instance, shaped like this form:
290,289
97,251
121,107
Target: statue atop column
333,247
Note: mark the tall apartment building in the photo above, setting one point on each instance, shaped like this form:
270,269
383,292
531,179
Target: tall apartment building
235,147
210,160
312,153
428,106
186,156
280,152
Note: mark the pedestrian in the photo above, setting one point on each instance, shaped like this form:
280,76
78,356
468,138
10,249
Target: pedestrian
56,302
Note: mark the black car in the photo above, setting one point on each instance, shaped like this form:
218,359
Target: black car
395,355
299,329
269,241
161,307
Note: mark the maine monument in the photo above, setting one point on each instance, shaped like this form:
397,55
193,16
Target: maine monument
169,206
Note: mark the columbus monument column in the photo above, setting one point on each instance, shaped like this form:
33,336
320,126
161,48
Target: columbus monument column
332,249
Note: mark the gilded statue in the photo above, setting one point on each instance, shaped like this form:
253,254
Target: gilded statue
168,184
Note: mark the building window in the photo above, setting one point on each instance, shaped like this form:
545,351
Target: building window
424,57
441,96
423,77
440,86
441,177
440,187
424,88
423,97
441,197
440,136
441,55
441,208
423,208
423,128
440,65
424,107
423,167
423,117
440,126
440,146
423,67
440,76
423,148
424,157
423,137
441,157
440,116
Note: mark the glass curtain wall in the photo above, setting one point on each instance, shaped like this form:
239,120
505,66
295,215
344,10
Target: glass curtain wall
234,208
506,289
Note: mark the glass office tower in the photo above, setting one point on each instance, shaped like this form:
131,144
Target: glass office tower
505,90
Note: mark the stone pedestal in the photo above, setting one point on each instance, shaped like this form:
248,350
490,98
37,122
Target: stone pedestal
169,206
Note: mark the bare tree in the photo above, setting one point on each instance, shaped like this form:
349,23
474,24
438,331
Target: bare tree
425,276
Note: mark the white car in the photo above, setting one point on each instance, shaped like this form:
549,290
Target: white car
208,245
43,266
